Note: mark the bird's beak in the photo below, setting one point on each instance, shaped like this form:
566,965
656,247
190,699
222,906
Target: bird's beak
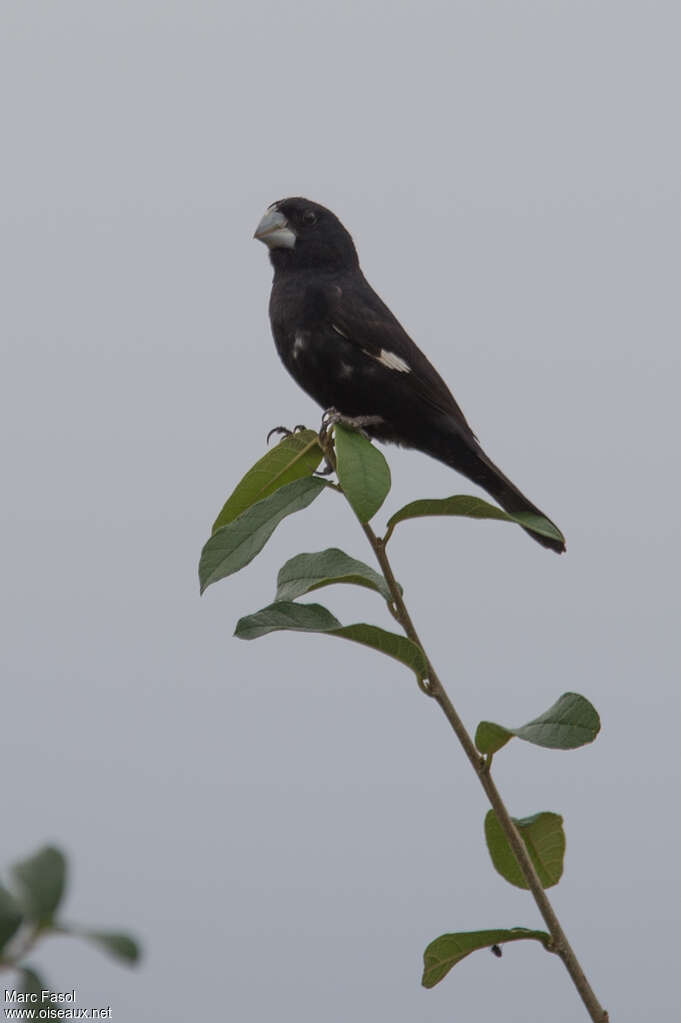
274,231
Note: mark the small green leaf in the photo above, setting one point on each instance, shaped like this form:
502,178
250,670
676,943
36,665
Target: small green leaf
472,508
121,946
307,572
287,615
449,949
390,643
544,839
570,723
31,983
41,879
10,916
237,543
362,471
490,737
293,458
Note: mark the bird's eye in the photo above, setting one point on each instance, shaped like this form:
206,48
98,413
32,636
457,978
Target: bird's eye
309,217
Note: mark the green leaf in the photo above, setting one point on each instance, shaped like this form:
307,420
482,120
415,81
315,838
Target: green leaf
287,615
237,543
307,572
390,643
293,458
42,879
31,983
10,916
449,949
121,946
362,471
570,723
490,737
544,839
472,508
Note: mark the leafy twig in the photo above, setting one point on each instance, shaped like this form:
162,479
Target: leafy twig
434,688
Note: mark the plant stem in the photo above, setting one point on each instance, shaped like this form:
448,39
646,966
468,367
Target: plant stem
436,690
23,942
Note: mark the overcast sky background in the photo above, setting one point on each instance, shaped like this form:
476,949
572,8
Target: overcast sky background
287,823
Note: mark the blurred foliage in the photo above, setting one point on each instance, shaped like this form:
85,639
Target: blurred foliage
30,906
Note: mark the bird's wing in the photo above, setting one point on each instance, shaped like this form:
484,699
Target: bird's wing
356,312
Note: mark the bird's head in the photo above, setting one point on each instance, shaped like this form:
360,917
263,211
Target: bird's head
301,234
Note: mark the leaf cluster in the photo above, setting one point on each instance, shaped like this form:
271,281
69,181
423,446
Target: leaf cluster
29,907
282,483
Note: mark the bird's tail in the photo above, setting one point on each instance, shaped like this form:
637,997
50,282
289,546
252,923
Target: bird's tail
469,459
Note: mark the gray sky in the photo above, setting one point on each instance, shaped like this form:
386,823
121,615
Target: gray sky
287,823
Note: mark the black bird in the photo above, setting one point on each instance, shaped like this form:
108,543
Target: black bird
345,348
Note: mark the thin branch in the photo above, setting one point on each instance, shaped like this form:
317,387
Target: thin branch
434,688
21,944
481,766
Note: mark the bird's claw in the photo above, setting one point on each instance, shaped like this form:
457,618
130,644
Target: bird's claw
284,430
279,429
332,417
329,417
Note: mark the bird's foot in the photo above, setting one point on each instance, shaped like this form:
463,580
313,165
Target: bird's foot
332,417
284,430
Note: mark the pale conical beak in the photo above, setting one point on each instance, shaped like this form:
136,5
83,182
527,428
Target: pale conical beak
274,231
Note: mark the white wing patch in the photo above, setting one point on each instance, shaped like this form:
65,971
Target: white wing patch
385,356
299,342
393,361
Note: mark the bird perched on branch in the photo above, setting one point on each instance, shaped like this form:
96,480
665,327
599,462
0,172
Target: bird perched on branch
345,348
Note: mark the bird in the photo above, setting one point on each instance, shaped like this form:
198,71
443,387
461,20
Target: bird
341,343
